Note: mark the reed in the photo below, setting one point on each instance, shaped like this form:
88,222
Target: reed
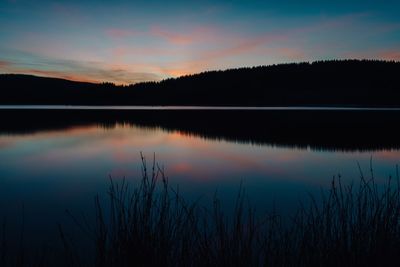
352,225
151,224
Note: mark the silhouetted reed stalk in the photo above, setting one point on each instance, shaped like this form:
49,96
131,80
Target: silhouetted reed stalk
151,224
154,226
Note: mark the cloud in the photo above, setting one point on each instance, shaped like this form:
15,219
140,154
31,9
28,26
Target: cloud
172,37
79,70
390,55
166,50
318,39
56,74
232,47
4,64
240,48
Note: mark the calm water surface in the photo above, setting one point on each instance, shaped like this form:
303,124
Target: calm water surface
51,164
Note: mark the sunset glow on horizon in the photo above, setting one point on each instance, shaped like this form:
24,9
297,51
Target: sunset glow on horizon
133,41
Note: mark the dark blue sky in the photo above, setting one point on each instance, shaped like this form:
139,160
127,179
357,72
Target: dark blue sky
130,41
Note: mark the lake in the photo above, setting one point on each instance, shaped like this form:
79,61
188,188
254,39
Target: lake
57,158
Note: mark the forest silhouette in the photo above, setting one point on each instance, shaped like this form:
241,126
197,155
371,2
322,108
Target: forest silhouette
367,83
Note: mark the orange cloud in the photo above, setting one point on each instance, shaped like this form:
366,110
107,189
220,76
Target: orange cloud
178,72
57,74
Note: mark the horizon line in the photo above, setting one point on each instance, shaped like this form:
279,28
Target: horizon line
205,71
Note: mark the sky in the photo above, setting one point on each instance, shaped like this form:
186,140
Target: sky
128,41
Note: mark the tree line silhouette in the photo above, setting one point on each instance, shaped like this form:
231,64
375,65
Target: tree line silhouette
321,83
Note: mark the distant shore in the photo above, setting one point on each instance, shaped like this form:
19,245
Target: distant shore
105,107
338,83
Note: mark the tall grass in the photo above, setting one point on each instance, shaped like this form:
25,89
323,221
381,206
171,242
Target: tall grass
151,224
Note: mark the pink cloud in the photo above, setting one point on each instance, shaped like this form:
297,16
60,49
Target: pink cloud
243,46
172,37
233,45
390,55
206,59
4,64
119,51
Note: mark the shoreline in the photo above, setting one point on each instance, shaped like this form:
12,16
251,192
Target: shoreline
235,108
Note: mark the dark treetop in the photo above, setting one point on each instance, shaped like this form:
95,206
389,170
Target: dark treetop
327,83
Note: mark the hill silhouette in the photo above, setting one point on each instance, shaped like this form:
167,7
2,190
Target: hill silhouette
367,83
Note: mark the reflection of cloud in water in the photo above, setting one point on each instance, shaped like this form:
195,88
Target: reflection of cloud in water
6,142
311,130
116,150
183,168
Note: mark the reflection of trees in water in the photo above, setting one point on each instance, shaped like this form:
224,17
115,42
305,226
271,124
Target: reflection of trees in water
322,130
